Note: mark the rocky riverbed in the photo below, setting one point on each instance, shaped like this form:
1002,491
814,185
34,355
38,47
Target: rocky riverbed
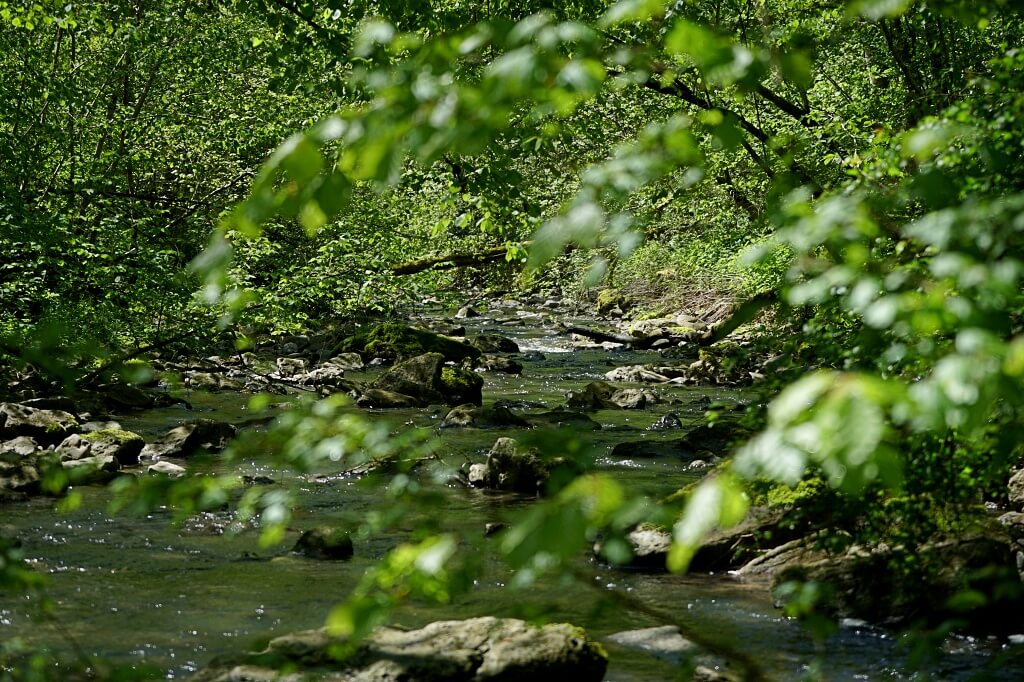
138,589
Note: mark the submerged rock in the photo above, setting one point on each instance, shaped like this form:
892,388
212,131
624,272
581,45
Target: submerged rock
472,650
381,399
564,419
325,542
472,416
665,642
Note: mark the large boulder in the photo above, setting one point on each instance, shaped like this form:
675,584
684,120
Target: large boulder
46,427
187,439
396,341
478,649
427,379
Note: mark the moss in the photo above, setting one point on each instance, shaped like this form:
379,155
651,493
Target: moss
399,341
608,299
805,491
118,435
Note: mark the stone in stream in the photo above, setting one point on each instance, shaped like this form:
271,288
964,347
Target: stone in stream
704,442
665,642
121,396
165,468
496,363
512,467
636,374
465,312
94,469
381,399
474,649
634,398
290,367
1015,490
594,396
22,445
347,361
564,419
864,585
472,416
124,446
21,475
187,439
493,343
46,427
396,341
427,379
667,421
325,542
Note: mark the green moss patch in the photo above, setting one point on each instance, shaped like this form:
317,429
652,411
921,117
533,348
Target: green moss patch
398,341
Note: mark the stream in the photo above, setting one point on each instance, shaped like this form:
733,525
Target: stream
140,591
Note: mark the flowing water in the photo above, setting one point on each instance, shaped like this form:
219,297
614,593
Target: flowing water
141,591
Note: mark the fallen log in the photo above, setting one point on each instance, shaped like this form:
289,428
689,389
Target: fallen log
599,335
741,314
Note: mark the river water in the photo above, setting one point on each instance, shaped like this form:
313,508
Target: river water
141,591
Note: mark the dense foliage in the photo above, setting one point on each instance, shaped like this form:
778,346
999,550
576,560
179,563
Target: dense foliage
870,152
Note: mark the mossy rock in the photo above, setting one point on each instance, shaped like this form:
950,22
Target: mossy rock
426,379
124,446
397,341
461,386
609,299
